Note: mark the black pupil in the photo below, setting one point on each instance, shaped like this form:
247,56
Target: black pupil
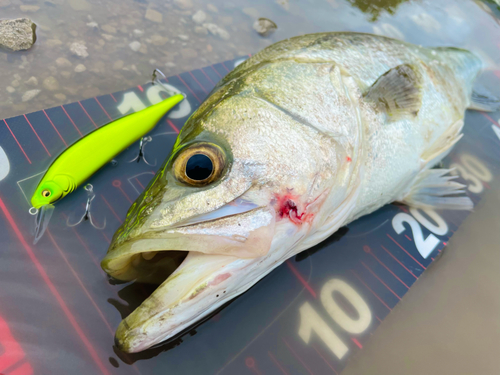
199,167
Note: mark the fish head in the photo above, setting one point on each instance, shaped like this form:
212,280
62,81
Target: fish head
244,184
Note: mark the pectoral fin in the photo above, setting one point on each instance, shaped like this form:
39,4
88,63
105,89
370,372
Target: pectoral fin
398,91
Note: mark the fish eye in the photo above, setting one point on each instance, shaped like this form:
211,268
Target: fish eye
199,167
46,193
199,164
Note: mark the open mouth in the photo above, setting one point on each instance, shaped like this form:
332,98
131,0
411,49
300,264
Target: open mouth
198,264
197,286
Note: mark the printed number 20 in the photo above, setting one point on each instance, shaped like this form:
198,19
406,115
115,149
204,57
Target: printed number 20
424,246
311,321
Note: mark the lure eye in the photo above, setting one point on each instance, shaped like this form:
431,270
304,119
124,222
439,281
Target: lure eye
200,164
46,193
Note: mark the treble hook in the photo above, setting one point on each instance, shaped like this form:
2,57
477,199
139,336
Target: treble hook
142,146
87,214
155,79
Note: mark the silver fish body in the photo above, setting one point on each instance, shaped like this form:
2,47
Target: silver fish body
304,137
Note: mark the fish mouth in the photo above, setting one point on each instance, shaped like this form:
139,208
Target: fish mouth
214,253
200,285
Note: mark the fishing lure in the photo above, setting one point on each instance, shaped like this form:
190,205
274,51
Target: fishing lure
76,164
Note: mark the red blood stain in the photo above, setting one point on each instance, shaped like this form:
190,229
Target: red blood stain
286,207
349,159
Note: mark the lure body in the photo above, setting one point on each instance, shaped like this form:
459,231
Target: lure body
85,157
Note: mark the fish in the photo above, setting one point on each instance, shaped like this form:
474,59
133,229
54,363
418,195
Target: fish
82,159
298,141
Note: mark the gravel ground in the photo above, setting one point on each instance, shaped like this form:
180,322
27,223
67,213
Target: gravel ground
86,48
92,47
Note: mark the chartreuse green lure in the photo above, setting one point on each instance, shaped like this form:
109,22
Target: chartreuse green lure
85,157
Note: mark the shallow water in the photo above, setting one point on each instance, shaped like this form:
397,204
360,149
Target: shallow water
167,39
107,29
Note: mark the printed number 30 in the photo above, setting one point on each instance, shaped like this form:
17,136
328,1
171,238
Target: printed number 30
474,171
310,320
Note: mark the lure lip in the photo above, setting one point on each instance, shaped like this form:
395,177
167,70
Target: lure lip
42,219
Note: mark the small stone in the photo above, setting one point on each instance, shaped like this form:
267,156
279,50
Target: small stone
118,65
212,8
189,53
251,12
93,25
10,89
183,37
61,97
158,40
184,4
264,26
80,68
63,62
53,43
30,94
79,4
108,29
79,49
217,31
29,8
50,83
199,17
138,32
143,49
32,81
209,48
284,4
154,15
18,34
201,30
15,83
135,46
108,37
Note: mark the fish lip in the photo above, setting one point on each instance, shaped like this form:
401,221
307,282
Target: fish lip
117,262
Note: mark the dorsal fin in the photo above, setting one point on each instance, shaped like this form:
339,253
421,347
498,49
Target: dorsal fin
398,91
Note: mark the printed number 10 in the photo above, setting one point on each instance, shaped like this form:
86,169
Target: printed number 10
132,103
310,320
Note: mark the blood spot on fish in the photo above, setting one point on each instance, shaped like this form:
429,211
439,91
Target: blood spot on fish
286,207
349,159
220,278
